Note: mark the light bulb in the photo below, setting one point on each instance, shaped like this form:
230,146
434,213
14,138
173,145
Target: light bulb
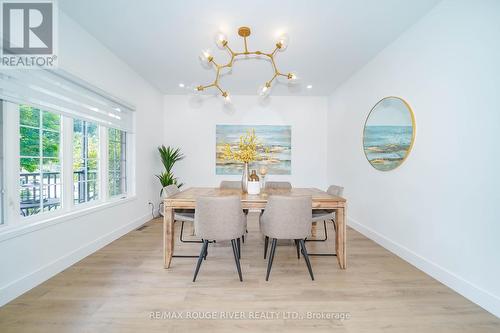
227,98
265,89
206,57
195,89
282,42
293,78
220,40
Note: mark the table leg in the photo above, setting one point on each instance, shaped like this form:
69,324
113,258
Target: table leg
340,240
168,236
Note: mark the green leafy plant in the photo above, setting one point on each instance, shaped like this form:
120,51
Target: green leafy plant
169,156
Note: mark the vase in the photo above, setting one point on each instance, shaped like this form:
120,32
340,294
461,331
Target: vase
244,179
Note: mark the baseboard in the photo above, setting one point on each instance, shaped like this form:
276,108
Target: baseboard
481,297
29,281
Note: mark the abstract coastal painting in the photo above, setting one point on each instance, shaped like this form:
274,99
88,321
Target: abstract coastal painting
275,148
389,133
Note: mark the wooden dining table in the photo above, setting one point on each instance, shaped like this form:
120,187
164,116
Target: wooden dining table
320,200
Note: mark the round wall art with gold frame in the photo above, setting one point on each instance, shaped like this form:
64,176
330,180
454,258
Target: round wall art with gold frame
389,133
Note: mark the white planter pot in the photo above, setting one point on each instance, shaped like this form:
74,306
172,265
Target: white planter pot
253,187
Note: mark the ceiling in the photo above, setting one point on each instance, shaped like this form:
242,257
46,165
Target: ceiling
329,40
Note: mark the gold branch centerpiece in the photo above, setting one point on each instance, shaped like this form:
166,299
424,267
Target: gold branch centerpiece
246,152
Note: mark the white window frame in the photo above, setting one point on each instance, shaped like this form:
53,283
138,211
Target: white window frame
41,156
121,194
13,220
101,198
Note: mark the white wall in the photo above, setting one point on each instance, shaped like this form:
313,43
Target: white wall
190,125
440,209
26,259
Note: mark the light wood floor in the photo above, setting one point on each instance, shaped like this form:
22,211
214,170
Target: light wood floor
117,288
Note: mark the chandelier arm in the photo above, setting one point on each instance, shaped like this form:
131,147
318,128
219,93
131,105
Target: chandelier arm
231,61
230,50
237,54
246,46
217,74
218,87
274,65
274,77
207,86
213,62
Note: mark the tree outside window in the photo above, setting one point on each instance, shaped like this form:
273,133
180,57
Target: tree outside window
40,165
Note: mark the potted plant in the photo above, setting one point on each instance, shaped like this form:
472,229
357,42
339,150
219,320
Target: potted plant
169,156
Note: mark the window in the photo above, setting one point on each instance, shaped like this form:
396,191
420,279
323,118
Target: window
117,175
39,164
85,161
64,146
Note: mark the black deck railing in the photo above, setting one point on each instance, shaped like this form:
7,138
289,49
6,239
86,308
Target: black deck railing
32,190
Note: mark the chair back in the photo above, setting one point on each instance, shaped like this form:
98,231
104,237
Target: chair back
230,184
219,218
278,185
287,217
335,190
170,190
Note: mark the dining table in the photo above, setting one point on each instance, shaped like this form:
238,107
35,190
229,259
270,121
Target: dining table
321,200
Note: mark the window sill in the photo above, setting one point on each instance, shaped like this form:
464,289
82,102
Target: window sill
8,232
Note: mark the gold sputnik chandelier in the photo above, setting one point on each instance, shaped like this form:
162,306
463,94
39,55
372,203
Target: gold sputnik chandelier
221,40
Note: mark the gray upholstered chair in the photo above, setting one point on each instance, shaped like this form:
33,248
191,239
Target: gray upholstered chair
287,217
219,219
233,184
183,215
335,190
324,216
230,184
280,185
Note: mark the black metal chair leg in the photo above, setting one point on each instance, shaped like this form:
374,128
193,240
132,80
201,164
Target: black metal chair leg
297,246
320,240
206,251
189,256
266,243
333,254
187,241
239,248
326,231
200,258
271,258
306,257
236,258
